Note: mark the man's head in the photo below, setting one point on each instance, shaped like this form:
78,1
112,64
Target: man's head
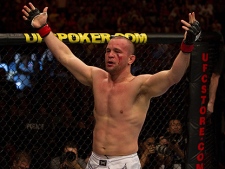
70,147
174,127
119,54
163,140
22,161
150,141
69,156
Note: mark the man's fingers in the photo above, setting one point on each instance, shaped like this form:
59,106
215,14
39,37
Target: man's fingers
32,6
186,24
185,28
191,17
25,12
25,18
45,9
25,8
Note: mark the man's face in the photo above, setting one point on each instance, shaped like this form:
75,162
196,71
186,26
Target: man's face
175,127
117,55
163,141
150,144
69,164
21,165
70,149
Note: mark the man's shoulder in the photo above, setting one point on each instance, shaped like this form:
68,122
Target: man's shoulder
96,71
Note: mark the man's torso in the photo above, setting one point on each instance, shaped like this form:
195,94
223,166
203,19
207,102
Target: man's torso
120,110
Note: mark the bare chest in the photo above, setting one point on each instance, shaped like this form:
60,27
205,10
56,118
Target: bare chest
115,97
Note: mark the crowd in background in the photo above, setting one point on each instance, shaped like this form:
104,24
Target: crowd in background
50,113
149,16
43,106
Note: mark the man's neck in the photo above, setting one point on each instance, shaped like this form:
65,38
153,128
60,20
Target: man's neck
118,78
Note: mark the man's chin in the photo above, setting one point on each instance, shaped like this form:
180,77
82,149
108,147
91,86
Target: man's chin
109,69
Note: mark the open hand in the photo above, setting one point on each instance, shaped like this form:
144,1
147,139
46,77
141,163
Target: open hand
191,21
192,28
34,17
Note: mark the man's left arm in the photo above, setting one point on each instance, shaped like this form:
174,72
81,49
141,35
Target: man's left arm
182,60
180,64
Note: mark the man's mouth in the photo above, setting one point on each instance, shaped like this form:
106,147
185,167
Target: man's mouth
110,63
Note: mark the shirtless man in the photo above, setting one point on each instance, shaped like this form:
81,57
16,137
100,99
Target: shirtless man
121,99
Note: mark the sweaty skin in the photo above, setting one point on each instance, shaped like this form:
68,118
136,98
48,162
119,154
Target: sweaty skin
121,100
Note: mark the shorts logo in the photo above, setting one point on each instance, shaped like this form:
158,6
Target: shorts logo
102,162
125,167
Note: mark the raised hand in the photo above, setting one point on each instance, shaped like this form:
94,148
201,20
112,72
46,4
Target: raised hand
37,20
33,16
193,32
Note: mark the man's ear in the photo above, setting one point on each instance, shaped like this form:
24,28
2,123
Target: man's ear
131,60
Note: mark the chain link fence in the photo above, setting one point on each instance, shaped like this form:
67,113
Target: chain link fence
43,106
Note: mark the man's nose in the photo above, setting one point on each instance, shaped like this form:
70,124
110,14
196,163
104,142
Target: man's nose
111,54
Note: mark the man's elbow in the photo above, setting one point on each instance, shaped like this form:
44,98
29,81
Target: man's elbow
174,80
175,76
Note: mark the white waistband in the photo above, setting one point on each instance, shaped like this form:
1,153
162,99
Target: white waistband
105,157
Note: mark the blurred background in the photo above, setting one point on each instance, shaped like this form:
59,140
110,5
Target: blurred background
149,16
43,106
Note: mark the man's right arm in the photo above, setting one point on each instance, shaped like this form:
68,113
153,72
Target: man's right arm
63,54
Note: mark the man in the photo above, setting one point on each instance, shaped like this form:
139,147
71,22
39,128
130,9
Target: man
216,89
69,158
121,99
172,145
215,106
149,158
176,142
22,161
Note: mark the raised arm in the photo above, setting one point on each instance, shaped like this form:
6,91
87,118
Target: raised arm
63,54
159,83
